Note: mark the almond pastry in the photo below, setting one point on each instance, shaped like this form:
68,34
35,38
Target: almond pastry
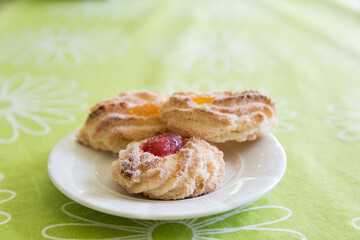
113,123
220,116
195,169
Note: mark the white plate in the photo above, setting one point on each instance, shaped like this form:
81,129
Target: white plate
83,174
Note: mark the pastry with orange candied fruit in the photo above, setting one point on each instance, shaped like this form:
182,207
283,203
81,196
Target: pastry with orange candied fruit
169,167
220,116
113,123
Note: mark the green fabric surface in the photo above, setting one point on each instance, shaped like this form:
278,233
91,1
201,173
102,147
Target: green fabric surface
58,58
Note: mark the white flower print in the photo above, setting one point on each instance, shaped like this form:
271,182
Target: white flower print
219,52
199,228
346,115
221,11
356,223
50,47
11,195
285,115
107,9
30,104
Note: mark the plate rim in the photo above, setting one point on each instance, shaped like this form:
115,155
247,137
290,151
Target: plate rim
151,216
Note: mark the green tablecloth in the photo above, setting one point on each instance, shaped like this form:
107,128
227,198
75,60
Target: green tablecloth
59,58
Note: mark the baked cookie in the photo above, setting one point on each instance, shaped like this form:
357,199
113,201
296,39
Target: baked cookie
220,116
169,167
113,123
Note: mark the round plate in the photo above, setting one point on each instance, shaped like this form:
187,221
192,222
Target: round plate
84,175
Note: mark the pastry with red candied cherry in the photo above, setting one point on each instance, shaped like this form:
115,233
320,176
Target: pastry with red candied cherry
169,167
220,116
113,123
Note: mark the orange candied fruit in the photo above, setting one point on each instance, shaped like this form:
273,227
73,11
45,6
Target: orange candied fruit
203,100
145,110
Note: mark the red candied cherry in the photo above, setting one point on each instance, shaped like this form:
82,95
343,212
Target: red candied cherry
163,145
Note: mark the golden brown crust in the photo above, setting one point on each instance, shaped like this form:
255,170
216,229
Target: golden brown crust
231,115
198,168
109,125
